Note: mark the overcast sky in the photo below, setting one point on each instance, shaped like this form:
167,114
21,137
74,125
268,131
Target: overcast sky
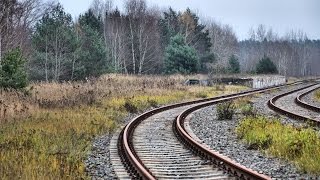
281,15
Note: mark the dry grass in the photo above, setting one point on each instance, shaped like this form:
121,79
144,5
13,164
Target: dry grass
52,136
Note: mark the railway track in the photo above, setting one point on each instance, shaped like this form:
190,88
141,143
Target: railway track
291,105
304,104
164,150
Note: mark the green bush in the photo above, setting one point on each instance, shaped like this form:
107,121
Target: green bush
12,71
248,110
226,110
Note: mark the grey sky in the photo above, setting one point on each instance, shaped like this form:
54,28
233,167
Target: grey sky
281,15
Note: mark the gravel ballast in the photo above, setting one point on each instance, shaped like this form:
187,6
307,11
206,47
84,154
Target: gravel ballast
310,98
220,136
98,163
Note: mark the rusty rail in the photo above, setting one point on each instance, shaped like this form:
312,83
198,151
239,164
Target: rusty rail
127,153
306,105
272,105
221,161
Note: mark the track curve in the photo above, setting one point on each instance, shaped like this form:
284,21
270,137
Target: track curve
304,104
134,156
293,114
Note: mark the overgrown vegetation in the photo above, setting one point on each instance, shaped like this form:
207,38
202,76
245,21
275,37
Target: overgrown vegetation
226,110
48,133
299,145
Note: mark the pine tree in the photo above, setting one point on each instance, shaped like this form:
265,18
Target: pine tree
266,66
180,58
12,71
234,65
55,42
89,19
92,58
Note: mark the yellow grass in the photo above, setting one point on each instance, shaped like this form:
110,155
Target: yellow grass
51,139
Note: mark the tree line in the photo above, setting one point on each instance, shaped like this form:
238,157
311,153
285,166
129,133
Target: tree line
52,46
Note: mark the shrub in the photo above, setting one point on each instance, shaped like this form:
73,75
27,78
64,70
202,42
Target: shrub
12,72
248,110
225,110
266,66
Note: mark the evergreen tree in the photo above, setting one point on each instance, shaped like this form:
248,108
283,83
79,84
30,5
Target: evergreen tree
234,65
194,34
266,66
91,57
55,42
89,19
12,72
180,58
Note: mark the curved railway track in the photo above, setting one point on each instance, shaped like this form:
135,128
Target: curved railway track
304,104
299,109
151,150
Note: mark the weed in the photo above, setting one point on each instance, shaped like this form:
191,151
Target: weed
226,110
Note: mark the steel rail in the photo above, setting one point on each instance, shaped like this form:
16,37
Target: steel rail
273,106
129,158
306,105
221,161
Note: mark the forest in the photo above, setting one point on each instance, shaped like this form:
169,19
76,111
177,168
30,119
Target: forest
45,43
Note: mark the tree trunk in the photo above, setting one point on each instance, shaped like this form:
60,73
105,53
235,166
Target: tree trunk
132,48
46,62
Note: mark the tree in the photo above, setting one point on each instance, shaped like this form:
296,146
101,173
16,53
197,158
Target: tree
180,58
234,65
12,72
91,58
55,42
89,19
266,66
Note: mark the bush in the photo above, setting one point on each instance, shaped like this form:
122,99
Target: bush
12,72
266,66
226,110
248,110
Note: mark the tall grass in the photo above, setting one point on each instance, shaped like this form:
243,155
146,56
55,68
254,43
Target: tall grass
51,139
301,146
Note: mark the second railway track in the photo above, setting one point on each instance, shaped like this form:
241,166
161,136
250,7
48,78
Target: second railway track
291,105
150,150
